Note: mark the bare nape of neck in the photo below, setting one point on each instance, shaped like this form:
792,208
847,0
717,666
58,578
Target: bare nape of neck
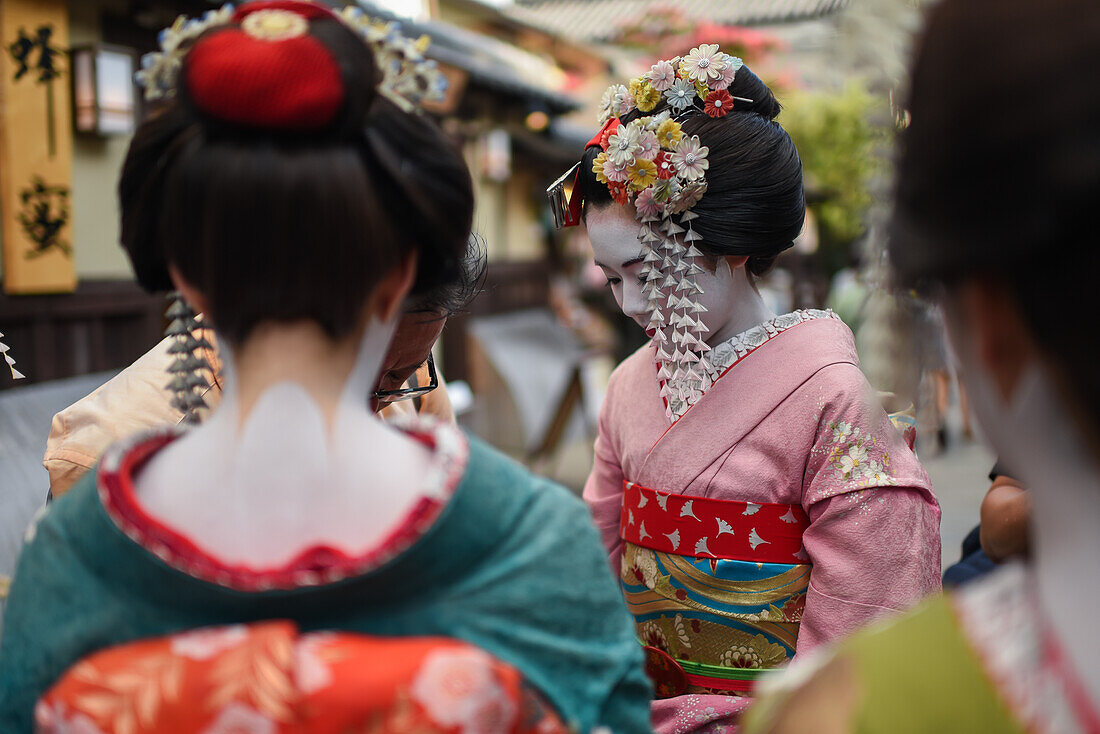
743,306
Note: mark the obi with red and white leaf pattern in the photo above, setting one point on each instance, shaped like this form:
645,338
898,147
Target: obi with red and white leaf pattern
710,528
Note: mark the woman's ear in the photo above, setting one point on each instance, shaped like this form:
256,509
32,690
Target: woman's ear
195,299
1002,341
736,261
389,294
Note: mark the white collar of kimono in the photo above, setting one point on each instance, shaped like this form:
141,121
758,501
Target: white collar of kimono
730,352
260,491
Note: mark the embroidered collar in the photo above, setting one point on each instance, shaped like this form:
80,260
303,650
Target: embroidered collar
314,566
1002,620
681,396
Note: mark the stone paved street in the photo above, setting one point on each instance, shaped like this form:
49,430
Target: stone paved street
960,479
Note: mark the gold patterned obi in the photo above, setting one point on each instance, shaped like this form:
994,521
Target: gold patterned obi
716,587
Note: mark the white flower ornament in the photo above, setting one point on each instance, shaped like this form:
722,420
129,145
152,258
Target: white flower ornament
704,63
649,162
408,79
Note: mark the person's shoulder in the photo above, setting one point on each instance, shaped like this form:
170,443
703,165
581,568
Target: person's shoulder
637,364
886,678
503,479
132,401
67,518
838,385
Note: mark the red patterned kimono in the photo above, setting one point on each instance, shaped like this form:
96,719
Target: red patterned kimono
269,679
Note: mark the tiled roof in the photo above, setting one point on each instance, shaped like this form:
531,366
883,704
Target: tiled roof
597,20
490,62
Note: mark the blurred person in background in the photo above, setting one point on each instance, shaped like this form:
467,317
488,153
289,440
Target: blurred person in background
1002,534
995,218
292,173
753,496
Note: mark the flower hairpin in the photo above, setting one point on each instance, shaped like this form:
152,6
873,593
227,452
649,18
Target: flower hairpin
699,80
652,163
408,78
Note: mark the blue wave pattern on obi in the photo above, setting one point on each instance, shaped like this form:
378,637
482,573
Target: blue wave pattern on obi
729,613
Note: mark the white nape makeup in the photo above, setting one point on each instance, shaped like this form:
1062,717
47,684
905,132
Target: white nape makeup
733,304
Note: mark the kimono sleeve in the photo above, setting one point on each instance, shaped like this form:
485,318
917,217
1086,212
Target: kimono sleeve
874,535
603,491
47,606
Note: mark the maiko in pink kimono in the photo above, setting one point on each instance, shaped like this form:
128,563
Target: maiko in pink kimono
754,496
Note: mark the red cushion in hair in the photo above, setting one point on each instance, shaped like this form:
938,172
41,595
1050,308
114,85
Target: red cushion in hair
290,84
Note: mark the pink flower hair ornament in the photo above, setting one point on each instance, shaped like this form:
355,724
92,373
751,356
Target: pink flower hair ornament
651,163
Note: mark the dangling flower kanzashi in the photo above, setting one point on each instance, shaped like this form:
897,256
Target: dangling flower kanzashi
651,162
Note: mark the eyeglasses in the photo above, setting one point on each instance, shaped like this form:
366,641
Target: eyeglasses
409,393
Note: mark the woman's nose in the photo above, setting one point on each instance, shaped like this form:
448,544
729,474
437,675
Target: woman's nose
635,304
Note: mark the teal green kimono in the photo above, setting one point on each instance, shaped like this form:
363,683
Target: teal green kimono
512,565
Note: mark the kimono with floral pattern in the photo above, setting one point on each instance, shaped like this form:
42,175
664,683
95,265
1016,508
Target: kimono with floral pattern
789,420
473,561
269,678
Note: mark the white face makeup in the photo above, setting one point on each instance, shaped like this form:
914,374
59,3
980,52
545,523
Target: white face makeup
726,293
613,232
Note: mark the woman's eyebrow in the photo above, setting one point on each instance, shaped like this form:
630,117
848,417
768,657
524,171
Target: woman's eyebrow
634,260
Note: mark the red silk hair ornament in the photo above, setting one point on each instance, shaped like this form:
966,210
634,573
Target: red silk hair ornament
605,132
600,139
269,73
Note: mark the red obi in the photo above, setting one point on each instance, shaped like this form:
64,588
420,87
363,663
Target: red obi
702,527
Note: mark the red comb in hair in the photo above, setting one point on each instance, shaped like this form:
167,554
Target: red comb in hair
269,72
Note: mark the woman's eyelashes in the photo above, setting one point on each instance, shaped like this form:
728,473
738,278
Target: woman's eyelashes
614,280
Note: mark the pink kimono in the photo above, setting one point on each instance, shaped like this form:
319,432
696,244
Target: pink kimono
779,511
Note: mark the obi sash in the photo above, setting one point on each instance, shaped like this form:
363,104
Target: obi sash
716,587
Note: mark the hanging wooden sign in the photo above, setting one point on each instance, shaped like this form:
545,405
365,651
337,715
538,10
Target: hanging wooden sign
36,147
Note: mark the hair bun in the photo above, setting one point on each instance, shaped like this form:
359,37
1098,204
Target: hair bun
269,71
748,85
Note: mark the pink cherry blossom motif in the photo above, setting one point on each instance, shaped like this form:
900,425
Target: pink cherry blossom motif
311,672
457,687
627,103
236,718
704,63
661,75
616,172
204,644
689,157
648,207
647,145
729,71
55,720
